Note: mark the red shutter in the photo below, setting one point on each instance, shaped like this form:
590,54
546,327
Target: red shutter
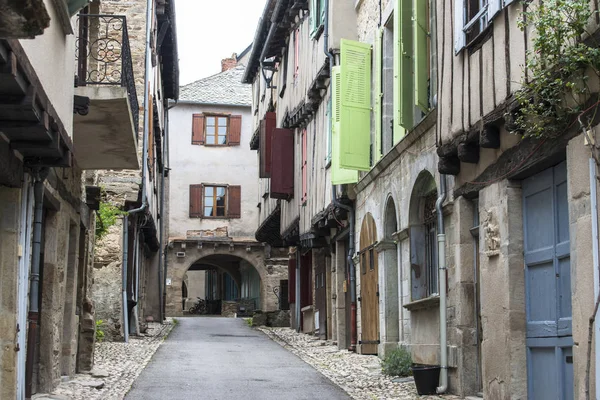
266,126
198,129
196,201
235,130
234,202
282,162
292,280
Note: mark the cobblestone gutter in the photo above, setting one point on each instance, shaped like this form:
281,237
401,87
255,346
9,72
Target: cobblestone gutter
116,366
359,375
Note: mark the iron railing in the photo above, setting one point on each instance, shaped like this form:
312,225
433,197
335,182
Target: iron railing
104,56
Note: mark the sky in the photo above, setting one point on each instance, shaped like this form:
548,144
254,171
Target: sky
210,30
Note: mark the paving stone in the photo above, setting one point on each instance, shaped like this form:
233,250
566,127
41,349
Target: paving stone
359,375
99,373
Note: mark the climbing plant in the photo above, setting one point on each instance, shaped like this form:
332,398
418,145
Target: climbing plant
106,217
560,64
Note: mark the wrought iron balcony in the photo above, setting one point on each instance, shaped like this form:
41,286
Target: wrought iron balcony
104,56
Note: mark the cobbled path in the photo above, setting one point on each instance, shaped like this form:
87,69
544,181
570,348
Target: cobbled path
121,362
359,375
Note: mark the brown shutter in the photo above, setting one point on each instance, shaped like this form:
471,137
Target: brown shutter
292,280
234,202
235,130
267,125
198,129
196,201
282,163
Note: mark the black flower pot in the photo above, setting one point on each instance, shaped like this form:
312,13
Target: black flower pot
426,377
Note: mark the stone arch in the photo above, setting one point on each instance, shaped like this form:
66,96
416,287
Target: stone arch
190,252
388,254
423,237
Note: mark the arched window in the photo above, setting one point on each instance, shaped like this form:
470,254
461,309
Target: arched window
423,242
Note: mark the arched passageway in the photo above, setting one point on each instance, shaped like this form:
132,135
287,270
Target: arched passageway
235,272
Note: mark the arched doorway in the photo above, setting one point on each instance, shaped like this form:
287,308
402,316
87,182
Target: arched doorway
423,238
369,287
390,277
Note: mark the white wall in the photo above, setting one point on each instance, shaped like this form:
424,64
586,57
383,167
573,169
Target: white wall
193,164
52,55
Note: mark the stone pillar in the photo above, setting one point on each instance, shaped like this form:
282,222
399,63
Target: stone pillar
9,240
339,290
71,320
502,292
582,273
388,296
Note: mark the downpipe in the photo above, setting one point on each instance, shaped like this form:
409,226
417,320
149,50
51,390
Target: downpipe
443,271
124,277
40,176
298,265
334,200
594,206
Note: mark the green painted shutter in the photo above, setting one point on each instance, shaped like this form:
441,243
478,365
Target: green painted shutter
355,110
329,130
75,5
314,16
377,153
339,176
403,93
323,13
421,43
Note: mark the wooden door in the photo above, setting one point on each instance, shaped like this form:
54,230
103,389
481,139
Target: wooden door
321,299
548,285
369,287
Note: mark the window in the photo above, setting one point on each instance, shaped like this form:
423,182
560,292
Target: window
304,167
296,54
429,221
215,201
472,17
317,17
216,130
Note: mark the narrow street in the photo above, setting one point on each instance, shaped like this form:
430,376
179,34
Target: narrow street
223,358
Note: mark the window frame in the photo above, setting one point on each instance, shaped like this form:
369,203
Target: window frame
216,134
317,19
214,198
304,166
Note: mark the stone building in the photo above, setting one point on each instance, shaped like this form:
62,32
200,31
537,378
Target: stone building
471,246
53,136
133,194
214,168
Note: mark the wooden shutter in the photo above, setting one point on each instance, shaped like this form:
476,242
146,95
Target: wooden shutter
266,126
421,44
377,153
198,129
234,202
235,130
494,7
292,280
403,70
355,117
459,23
314,16
282,162
339,176
196,192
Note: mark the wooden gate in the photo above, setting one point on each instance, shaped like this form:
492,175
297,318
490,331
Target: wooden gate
321,299
369,287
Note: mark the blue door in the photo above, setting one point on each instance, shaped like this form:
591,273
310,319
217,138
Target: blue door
548,285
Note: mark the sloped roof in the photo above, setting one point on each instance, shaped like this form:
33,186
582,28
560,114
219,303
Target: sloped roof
225,88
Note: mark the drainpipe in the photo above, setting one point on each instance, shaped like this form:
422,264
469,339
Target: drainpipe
124,277
336,203
34,288
594,204
442,279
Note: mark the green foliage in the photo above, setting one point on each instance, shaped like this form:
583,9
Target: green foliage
99,331
559,66
175,321
397,363
249,321
107,217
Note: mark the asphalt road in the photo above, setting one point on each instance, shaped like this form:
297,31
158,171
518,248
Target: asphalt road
208,358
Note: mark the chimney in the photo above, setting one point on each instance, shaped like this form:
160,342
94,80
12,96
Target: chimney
228,63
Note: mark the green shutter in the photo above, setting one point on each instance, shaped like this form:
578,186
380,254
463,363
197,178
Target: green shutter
314,16
421,43
322,7
355,110
339,176
377,153
76,5
329,130
403,93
